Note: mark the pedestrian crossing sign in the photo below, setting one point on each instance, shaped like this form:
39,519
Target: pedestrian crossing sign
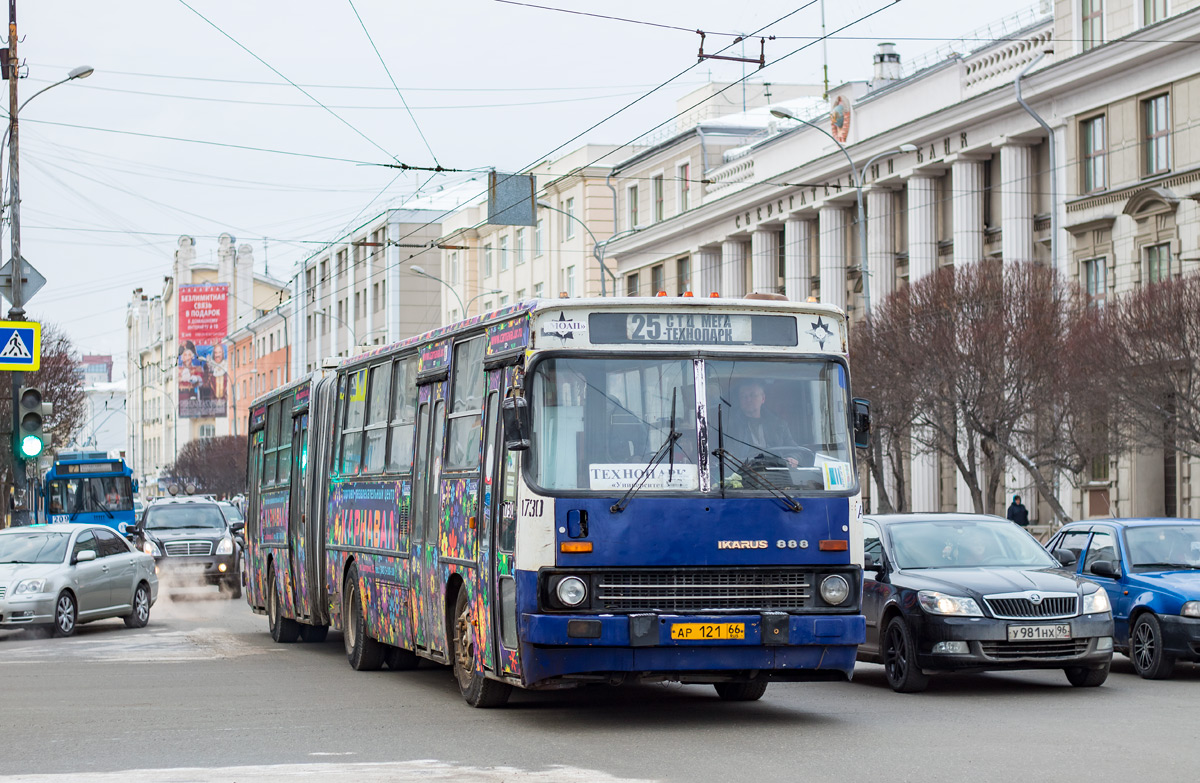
20,346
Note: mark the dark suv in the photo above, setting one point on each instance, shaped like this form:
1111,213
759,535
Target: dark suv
193,538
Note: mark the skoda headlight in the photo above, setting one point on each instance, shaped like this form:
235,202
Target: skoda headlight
834,589
225,547
571,591
1191,609
941,603
26,586
1096,602
151,548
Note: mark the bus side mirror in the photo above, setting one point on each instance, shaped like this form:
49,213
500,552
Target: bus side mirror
134,486
862,423
515,411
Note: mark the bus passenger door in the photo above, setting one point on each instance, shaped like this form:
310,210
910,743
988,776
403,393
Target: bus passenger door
502,469
425,583
298,521
252,558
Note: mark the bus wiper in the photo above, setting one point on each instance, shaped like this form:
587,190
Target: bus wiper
790,503
671,469
668,446
100,503
720,452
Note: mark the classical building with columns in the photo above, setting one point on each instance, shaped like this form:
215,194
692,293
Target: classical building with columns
954,170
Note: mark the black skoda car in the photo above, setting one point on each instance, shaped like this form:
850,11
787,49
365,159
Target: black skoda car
192,539
969,592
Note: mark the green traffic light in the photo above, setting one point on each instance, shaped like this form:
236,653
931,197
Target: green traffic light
31,446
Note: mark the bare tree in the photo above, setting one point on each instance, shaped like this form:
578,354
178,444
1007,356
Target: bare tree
1157,336
216,465
990,355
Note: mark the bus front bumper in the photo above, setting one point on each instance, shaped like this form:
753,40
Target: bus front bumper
776,645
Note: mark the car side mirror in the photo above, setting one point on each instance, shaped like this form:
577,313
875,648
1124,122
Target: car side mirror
862,423
85,556
515,411
871,564
1065,556
237,527
1104,568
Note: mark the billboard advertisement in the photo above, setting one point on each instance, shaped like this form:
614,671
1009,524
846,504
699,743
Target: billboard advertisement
203,370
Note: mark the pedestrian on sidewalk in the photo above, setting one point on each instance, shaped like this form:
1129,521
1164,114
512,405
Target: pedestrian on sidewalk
1018,513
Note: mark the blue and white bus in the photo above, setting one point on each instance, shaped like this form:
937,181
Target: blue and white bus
90,487
573,491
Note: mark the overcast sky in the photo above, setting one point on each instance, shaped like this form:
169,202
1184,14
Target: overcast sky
490,84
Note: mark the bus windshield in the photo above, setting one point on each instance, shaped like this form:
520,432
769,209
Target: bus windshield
598,422
89,494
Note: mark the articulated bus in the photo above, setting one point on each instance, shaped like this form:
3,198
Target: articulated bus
92,487
573,491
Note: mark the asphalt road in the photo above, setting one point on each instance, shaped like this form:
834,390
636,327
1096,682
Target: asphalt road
202,693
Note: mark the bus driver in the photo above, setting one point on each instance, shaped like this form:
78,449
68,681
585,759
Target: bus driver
750,430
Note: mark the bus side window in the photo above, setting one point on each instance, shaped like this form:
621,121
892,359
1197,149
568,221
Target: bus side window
404,416
356,408
466,406
272,444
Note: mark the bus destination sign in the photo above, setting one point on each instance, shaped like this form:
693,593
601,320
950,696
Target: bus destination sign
690,328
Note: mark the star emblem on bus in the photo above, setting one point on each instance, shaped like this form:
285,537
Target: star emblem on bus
820,332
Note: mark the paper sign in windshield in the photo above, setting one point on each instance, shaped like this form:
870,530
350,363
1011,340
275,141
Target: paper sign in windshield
837,475
660,477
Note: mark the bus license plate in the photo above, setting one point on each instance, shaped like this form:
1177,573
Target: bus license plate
705,631
1034,633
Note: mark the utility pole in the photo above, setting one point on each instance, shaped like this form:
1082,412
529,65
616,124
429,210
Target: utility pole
17,311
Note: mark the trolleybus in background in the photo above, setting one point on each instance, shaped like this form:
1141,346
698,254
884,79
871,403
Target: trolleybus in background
90,486
573,491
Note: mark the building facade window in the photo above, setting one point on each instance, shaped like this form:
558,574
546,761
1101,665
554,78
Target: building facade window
684,175
683,275
1093,23
453,276
569,218
1153,11
656,187
631,206
503,253
631,285
519,247
520,294
503,299
1158,262
1095,155
488,261
1095,280
657,280
537,238
569,281
538,290
1156,124
208,431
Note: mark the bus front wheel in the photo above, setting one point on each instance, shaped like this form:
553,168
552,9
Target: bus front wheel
284,630
477,690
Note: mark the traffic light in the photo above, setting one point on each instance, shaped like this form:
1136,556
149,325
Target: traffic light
30,410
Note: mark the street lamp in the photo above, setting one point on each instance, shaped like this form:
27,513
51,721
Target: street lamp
785,113
16,311
416,270
597,248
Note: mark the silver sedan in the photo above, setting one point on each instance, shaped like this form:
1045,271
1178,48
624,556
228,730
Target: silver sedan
57,576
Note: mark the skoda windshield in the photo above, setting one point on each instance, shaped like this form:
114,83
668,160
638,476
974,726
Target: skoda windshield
743,425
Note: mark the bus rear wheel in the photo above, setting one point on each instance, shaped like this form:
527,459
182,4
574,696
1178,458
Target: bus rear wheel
476,689
364,653
741,691
284,630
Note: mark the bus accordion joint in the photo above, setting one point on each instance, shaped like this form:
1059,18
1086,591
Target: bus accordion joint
833,545
575,547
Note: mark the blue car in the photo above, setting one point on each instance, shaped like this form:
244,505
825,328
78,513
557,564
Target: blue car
1151,570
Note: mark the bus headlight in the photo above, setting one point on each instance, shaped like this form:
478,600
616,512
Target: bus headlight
571,591
225,547
834,589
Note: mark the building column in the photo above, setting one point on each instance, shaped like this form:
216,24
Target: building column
922,227
881,245
764,261
797,261
733,268
922,262
299,334
832,227
391,293
321,320
1016,202
708,271
353,337
967,202
336,327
